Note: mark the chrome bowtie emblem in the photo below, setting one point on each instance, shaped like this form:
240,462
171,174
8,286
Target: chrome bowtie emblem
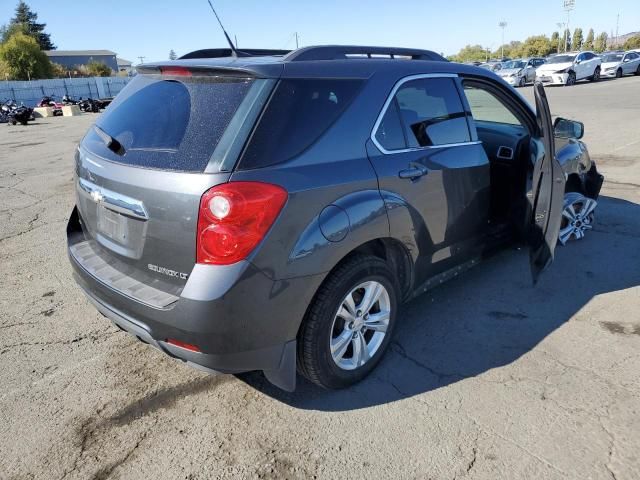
97,196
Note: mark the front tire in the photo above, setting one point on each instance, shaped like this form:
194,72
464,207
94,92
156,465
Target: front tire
349,324
596,75
571,79
522,82
619,73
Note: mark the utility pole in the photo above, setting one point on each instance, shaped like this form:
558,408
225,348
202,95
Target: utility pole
502,25
617,28
560,26
235,37
142,59
297,46
568,6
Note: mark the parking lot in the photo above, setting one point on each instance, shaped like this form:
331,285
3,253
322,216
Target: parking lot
487,378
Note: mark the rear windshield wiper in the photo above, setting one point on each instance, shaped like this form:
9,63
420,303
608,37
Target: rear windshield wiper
112,144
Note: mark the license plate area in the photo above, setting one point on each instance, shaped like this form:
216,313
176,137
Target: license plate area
113,225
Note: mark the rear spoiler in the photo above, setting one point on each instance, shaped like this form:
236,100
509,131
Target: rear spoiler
227,52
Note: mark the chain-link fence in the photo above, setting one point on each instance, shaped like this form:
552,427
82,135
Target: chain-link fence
30,93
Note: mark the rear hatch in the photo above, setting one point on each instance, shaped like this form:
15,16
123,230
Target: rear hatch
142,169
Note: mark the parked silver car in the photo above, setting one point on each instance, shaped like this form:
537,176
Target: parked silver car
518,73
617,64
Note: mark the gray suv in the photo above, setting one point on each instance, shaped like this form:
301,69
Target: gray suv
265,211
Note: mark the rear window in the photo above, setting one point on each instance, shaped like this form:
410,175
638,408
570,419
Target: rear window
299,112
169,123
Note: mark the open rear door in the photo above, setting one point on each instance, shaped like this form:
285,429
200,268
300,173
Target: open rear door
547,192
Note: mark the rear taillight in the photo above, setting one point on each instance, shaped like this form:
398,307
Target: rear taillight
186,346
234,218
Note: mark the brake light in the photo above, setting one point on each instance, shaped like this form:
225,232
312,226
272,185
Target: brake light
234,218
175,71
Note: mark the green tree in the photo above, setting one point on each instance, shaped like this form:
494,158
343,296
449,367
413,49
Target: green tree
537,46
58,71
26,21
172,55
23,58
632,42
555,41
588,43
566,40
98,69
600,44
576,43
471,53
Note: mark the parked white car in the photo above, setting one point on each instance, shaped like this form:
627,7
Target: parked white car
518,73
617,64
568,68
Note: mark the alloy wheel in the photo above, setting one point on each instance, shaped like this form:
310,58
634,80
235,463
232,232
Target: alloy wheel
360,325
596,75
577,216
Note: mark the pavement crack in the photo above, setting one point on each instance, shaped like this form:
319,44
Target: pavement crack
399,349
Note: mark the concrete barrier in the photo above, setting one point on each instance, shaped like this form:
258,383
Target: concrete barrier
71,111
40,112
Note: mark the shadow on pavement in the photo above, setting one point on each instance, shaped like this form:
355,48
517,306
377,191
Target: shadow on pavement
489,317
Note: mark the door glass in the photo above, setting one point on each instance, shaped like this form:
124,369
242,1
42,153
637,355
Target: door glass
432,112
389,134
485,107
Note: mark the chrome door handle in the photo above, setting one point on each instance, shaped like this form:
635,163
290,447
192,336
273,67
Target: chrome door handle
415,170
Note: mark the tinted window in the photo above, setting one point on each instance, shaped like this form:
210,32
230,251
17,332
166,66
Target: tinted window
168,123
486,107
389,134
299,112
432,112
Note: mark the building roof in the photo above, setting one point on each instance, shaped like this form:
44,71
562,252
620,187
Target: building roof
123,63
79,53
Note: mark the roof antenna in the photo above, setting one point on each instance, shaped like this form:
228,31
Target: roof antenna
234,51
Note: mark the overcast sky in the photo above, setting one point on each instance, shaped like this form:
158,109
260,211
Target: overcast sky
134,28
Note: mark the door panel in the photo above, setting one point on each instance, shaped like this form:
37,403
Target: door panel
547,192
449,204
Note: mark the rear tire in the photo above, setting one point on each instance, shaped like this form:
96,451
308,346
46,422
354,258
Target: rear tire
637,71
339,343
571,79
596,75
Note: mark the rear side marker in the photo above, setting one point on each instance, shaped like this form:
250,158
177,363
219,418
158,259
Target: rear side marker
184,345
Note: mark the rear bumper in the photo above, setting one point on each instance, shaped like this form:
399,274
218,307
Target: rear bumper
240,319
608,73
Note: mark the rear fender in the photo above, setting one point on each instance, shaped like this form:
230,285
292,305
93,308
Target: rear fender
339,228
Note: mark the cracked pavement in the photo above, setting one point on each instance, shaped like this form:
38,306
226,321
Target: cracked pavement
487,377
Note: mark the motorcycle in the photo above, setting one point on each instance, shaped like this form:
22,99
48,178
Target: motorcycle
68,100
13,113
89,105
50,102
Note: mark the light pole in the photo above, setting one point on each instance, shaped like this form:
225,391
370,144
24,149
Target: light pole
142,59
560,26
568,6
502,25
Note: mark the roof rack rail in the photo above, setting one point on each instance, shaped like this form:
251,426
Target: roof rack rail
341,52
227,52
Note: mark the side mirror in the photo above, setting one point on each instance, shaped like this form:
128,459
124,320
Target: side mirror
626,60
564,128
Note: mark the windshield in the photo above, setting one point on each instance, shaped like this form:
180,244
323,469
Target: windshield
513,64
613,57
562,59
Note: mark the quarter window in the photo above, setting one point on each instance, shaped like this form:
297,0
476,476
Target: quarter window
430,112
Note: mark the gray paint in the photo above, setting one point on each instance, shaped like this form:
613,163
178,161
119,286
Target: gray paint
343,193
